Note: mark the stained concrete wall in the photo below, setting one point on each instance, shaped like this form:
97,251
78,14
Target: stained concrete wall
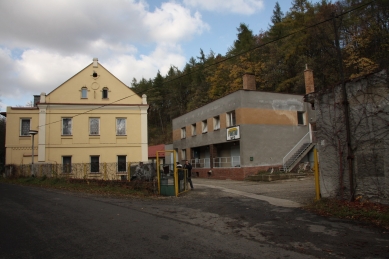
368,98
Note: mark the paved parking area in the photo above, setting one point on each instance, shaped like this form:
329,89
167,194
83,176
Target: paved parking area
284,193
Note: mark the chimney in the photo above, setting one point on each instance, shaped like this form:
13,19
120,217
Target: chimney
249,82
95,62
308,76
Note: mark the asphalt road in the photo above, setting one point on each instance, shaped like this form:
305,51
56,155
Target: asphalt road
216,220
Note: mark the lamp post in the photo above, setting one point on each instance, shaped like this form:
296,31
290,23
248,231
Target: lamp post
32,133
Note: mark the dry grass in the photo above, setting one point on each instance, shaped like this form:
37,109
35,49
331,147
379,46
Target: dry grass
362,211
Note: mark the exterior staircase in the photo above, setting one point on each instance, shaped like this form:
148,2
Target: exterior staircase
293,161
298,152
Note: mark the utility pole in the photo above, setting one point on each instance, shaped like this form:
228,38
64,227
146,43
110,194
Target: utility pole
350,155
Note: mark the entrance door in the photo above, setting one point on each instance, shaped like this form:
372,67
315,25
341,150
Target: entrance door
235,156
207,162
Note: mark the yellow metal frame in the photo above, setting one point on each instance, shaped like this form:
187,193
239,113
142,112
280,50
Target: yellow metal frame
175,172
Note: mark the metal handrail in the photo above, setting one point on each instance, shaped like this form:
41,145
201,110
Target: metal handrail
306,139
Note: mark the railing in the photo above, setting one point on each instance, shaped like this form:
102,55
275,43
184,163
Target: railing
304,140
201,163
106,171
218,162
233,161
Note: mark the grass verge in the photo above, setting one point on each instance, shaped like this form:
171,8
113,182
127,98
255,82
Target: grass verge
108,188
362,211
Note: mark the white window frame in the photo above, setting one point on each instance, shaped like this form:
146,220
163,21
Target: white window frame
216,123
183,154
193,129
69,125
90,126
204,126
84,90
26,131
118,127
183,132
231,119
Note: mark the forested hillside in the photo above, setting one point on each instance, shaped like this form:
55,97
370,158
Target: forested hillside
305,34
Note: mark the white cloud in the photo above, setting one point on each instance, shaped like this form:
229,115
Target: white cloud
174,23
44,43
246,7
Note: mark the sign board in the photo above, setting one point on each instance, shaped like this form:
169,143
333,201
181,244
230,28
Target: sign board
233,133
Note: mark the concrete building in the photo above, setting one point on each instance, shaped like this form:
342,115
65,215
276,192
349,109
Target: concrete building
90,119
242,133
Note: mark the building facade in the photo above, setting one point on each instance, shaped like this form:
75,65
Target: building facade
92,118
242,133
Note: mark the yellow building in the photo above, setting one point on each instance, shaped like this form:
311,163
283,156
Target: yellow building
91,119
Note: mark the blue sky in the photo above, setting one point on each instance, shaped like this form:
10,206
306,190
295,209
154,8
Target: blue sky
44,43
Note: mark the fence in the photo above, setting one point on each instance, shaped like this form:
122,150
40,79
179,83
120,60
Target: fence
104,171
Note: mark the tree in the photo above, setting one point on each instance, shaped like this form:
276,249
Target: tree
245,41
277,14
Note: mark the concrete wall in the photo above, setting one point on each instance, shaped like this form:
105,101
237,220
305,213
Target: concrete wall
369,106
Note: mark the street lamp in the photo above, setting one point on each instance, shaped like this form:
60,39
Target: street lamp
32,133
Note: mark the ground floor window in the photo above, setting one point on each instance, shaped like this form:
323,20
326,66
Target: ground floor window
94,164
66,164
122,164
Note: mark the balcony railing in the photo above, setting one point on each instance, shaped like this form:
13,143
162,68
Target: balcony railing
201,163
218,162
233,161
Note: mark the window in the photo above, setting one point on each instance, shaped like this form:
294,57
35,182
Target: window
84,92
204,125
216,123
122,164
121,126
94,126
300,118
194,129
24,127
183,154
94,164
231,121
66,164
105,93
183,132
66,126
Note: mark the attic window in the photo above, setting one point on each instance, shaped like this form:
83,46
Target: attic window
105,93
84,93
